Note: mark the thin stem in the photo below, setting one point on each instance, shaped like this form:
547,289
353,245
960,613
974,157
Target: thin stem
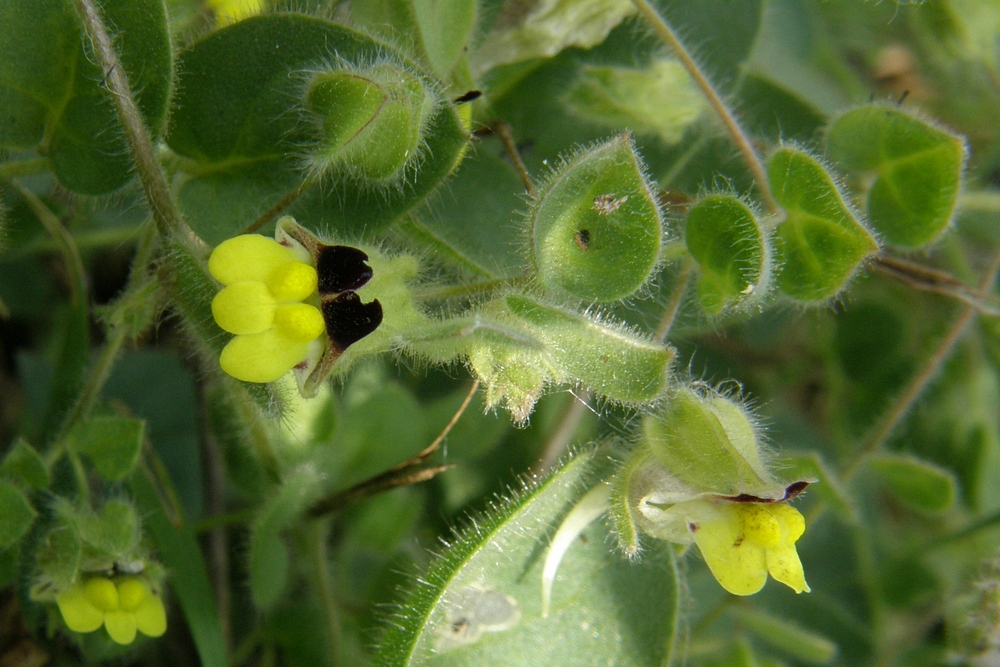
406,473
63,241
321,573
284,203
154,183
502,130
563,433
674,305
887,425
743,143
80,475
927,279
36,165
218,539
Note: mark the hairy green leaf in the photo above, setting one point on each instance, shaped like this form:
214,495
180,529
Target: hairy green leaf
917,166
723,236
820,243
55,97
480,604
919,484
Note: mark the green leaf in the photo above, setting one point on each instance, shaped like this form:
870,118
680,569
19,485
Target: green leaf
486,189
545,28
618,364
16,515
659,100
177,546
58,556
917,168
789,638
723,236
820,243
480,603
114,531
446,26
239,113
23,464
721,32
918,484
113,444
596,228
54,96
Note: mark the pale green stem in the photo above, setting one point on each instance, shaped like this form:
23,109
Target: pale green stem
284,203
739,136
154,183
30,167
321,573
673,306
63,242
563,434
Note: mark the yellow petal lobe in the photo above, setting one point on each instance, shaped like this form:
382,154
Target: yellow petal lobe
293,281
121,626
131,594
77,611
793,524
738,564
151,617
784,565
299,322
261,357
245,307
102,594
760,525
247,257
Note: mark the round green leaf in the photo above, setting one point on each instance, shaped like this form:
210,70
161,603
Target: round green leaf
917,167
723,236
240,113
55,97
24,465
113,444
821,242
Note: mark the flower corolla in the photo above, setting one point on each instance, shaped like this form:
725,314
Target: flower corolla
122,606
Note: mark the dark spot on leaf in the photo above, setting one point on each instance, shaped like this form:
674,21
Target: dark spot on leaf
341,268
582,239
348,320
468,97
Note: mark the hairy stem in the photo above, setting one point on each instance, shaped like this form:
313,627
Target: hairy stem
284,203
321,574
154,183
743,143
676,298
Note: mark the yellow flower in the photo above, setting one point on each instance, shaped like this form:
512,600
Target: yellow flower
743,542
231,11
123,608
262,303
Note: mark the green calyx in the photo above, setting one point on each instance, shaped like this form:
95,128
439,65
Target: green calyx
709,443
596,229
372,119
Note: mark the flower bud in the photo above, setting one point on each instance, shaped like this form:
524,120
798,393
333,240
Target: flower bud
372,119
